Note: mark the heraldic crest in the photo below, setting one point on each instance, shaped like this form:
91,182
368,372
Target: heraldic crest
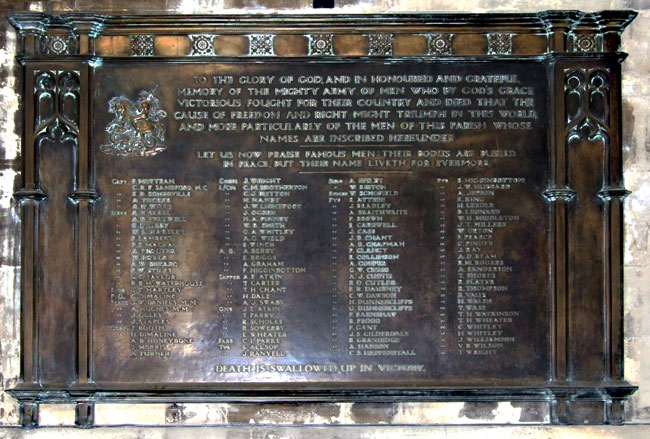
136,129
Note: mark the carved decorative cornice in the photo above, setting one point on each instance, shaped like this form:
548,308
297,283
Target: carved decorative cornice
349,35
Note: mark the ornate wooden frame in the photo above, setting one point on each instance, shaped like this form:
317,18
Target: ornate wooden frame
59,55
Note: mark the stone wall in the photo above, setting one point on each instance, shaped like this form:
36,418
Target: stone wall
353,419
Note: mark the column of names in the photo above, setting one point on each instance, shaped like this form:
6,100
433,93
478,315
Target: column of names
156,290
266,211
482,328
375,297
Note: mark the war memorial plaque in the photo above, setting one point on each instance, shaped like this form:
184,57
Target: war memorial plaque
330,208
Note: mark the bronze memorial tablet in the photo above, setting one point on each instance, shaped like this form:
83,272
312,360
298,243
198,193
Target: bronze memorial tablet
329,208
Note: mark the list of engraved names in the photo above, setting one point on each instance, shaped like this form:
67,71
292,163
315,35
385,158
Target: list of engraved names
351,223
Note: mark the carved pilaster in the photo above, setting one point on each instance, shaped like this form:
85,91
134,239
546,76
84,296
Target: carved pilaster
612,195
82,197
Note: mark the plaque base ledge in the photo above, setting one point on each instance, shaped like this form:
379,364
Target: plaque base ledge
546,391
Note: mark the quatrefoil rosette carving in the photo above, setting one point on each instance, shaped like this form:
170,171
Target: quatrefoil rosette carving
321,44
142,45
499,44
58,44
202,45
380,44
261,45
439,44
585,43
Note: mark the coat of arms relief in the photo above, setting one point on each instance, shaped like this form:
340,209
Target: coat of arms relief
136,129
